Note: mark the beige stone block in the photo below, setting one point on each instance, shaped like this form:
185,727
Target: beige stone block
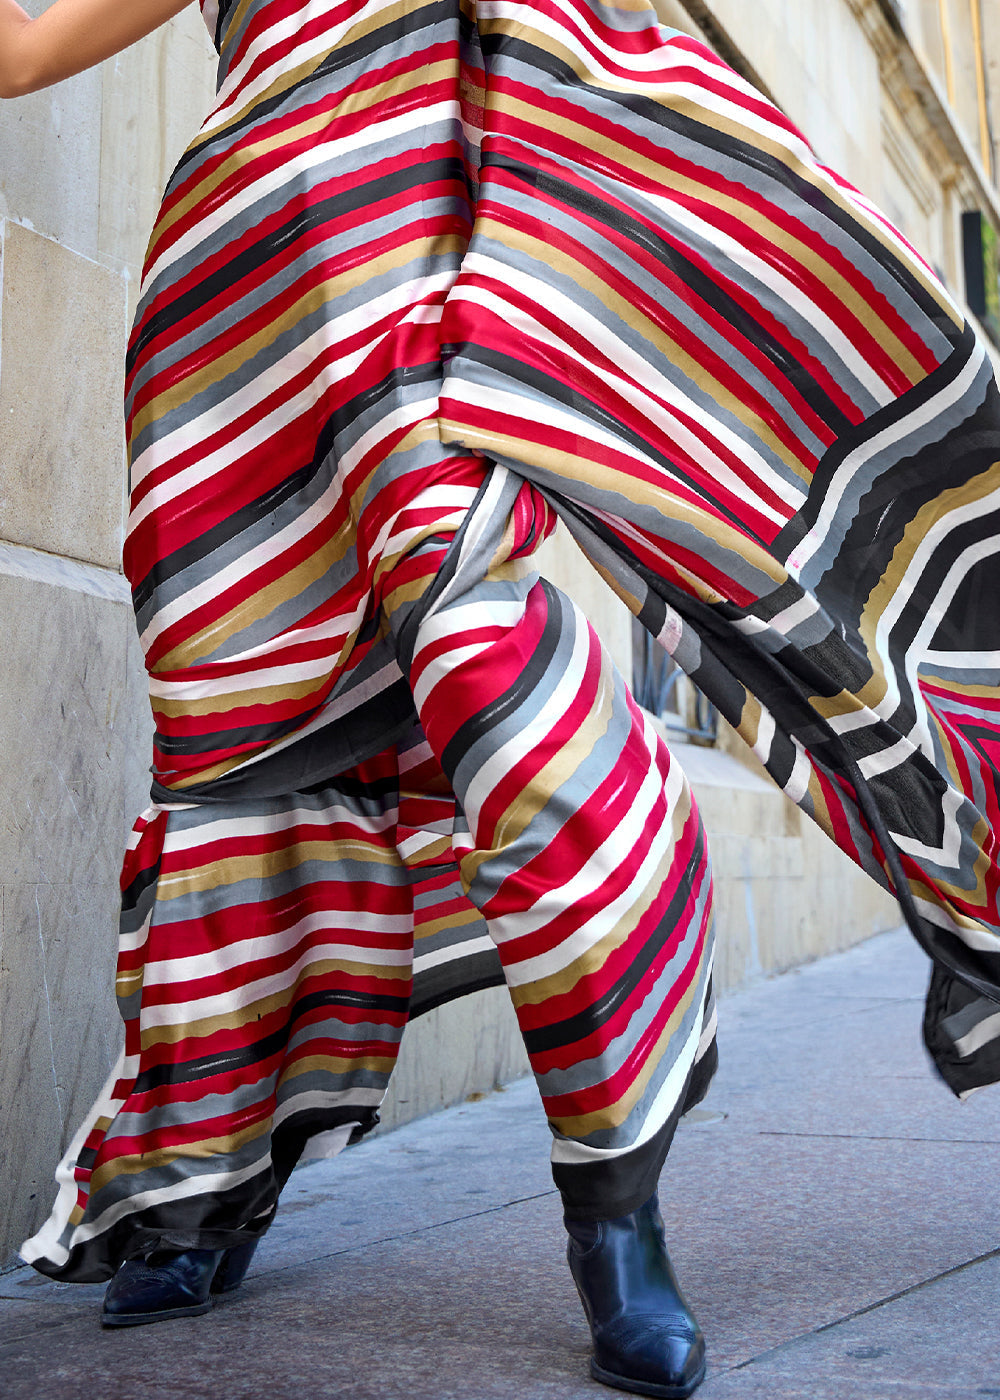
74,727
154,97
673,14
462,1049
60,1031
75,741
562,561
817,62
50,158
62,342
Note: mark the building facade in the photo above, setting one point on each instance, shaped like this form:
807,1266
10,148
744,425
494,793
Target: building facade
902,96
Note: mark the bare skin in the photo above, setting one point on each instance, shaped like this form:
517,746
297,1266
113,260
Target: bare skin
70,36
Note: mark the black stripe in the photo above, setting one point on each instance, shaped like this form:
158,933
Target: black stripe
506,705
575,1028
892,413
242,1057
696,283
304,221
366,47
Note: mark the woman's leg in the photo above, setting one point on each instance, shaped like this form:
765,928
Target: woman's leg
264,978
578,840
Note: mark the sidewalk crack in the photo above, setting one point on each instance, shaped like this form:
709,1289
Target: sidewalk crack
880,1137
862,1312
404,1234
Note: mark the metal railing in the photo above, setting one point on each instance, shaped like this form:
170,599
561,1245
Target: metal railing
661,687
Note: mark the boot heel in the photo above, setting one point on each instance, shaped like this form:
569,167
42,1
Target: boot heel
233,1267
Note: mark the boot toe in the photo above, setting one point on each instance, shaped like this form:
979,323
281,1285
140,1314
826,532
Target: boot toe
651,1355
141,1292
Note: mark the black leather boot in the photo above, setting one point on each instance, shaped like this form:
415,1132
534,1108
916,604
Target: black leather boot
645,1339
167,1285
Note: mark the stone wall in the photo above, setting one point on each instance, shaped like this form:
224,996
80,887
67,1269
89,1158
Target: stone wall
82,168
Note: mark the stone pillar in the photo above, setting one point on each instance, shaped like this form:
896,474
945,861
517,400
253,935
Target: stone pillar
82,168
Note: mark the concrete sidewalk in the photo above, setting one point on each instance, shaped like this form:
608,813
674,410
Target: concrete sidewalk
832,1212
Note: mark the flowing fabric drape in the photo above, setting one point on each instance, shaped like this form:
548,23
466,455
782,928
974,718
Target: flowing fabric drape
431,276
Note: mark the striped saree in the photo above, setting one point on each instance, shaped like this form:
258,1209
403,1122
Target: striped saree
431,276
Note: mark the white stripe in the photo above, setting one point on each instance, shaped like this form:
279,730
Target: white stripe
180,967
456,950
641,376
45,1244
365,1097
316,821
602,862
973,936
275,33
248,681
893,436
295,170
766,729
789,292
566,1150
180,1013
798,781
504,760
947,853
795,614
981,1034
205,426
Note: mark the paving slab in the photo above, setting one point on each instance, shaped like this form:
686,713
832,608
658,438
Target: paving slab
831,1209
933,1341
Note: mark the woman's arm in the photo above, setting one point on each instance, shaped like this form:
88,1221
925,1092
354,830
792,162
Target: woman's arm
71,35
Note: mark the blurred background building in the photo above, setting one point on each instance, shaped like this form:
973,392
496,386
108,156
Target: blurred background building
901,96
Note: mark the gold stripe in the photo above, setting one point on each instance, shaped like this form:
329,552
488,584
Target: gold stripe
917,530
960,687
737,131
614,1114
791,247
428,928
337,1064
642,493
230,870
260,603
179,1032
433,853
163,1156
318,296
594,958
236,18
567,760
833,706
694,370
231,702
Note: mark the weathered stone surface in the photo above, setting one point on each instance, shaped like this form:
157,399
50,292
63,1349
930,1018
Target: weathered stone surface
74,748
50,161
820,66
153,98
928,1343
62,339
468,1047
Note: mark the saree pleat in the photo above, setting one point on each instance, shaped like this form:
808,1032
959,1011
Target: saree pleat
431,276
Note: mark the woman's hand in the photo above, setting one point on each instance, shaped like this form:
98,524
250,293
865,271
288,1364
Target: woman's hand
71,35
